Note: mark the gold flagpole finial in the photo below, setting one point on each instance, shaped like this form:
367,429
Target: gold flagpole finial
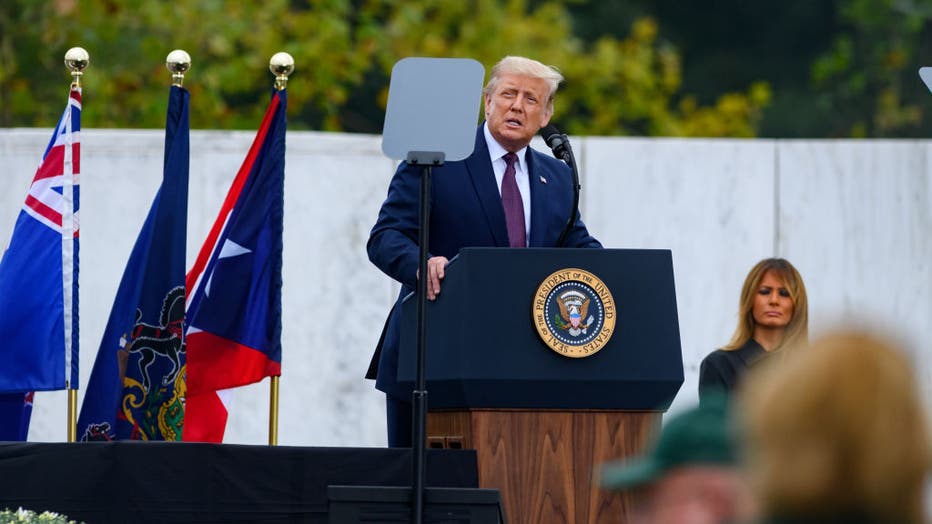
178,62
76,59
281,65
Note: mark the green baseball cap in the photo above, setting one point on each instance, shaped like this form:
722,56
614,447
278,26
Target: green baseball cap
699,436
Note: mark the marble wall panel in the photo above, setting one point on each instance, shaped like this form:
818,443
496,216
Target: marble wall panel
709,201
856,219
854,216
335,301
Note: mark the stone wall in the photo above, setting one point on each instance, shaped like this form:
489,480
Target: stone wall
854,216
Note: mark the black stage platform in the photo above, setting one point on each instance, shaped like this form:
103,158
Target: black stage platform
120,482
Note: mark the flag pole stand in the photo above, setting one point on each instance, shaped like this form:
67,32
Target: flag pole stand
273,412
76,60
72,415
281,65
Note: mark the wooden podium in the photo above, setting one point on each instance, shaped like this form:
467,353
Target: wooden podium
542,462
540,422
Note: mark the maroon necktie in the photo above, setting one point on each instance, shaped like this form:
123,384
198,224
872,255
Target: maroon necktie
514,207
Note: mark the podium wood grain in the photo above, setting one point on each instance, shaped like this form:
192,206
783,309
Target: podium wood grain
544,462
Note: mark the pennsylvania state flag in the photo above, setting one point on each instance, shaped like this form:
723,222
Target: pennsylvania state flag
235,286
137,386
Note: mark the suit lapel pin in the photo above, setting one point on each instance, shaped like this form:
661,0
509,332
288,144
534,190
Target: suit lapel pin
543,180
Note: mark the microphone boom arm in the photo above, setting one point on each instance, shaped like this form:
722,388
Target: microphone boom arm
571,161
559,143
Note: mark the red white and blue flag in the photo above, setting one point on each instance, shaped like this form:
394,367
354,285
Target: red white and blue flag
234,287
15,412
136,390
39,272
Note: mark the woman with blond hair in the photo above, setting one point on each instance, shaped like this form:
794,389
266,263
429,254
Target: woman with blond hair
837,433
773,315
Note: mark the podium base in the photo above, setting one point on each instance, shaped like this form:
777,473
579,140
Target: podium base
391,504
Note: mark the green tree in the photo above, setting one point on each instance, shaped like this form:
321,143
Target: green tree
613,87
632,87
343,51
868,78
230,44
836,68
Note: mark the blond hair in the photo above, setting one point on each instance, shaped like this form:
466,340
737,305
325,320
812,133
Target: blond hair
838,430
519,65
796,333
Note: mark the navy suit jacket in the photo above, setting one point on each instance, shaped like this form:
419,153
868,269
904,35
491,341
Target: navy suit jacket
466,211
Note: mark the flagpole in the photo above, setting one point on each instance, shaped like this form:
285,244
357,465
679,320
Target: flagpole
281,65
178,62
76,59
273,412
72,414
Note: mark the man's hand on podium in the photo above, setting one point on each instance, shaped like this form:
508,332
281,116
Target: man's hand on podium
435,272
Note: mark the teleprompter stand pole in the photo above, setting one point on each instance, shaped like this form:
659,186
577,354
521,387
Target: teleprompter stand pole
361,504
419,396
426,124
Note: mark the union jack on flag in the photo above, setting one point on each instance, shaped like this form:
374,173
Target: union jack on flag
39,271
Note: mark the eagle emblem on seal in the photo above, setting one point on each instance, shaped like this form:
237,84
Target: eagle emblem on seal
574,308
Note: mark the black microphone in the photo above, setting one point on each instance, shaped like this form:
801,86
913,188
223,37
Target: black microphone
560,145
557,142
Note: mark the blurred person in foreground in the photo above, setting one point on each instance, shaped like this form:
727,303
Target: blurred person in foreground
773,315
691,476
837,434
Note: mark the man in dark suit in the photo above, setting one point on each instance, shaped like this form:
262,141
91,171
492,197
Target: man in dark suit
504,194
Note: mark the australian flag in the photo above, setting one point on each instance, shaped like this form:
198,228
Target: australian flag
39,280
15,413
234,302
137,386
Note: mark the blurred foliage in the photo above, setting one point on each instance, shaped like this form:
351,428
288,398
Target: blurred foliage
869,73
835,68
126,84
344,51
641,67
632,87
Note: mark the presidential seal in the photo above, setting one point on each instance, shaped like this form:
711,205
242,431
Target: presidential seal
574,312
